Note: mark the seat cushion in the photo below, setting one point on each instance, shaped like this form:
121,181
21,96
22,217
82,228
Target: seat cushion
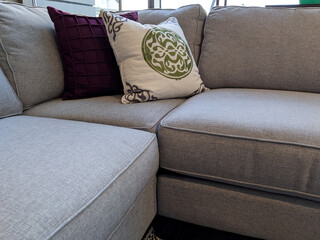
70,180
108,110
261,139
29,56
9,102
247,47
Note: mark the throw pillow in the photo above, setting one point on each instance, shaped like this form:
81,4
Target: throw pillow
155,61
89,65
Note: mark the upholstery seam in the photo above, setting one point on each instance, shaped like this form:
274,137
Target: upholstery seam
95,197
11,114
240,137
128,212
159,121
13,93
202,38
195,36
260,187
10,67
169,114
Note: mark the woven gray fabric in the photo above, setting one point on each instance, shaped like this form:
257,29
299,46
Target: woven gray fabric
137,221
9,102
262,139
108,110
238,210
28,53
70,180
267,48
191,19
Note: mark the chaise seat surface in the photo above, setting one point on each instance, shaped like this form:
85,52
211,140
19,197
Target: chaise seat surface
262,139
73,180
108,110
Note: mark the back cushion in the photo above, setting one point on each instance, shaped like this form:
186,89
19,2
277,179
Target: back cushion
269,48
28,53
9,102
191,18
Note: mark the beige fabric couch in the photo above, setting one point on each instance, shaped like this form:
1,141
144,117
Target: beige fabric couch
79,169
243,157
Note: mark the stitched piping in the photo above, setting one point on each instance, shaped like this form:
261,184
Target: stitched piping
143,191
195,36
10,67
66,222
240,137
260,187
157,124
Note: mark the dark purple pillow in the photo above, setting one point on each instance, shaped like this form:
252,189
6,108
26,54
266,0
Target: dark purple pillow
90,68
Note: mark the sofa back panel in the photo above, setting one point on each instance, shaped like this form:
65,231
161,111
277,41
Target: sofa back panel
28,53
9,102
268,48
191,19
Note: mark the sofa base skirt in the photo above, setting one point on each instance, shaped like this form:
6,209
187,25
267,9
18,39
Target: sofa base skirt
136,222
239,210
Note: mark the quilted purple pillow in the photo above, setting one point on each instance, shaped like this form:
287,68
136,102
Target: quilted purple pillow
90,68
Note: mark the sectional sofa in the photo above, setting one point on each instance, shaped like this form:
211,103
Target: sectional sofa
243,157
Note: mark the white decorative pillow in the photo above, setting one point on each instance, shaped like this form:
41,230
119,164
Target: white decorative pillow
155,60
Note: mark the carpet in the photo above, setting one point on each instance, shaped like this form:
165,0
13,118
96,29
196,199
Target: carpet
151,235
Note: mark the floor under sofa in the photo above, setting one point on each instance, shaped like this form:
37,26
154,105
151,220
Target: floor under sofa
163,228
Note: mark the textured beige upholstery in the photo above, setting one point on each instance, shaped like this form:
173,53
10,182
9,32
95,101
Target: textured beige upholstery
108,110
29,56
255,47
261,139
9,102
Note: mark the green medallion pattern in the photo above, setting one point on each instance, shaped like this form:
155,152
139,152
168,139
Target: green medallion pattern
167,53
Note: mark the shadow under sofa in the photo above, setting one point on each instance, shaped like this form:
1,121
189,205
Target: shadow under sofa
243,157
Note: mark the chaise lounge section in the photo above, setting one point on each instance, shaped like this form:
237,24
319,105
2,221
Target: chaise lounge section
74,180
